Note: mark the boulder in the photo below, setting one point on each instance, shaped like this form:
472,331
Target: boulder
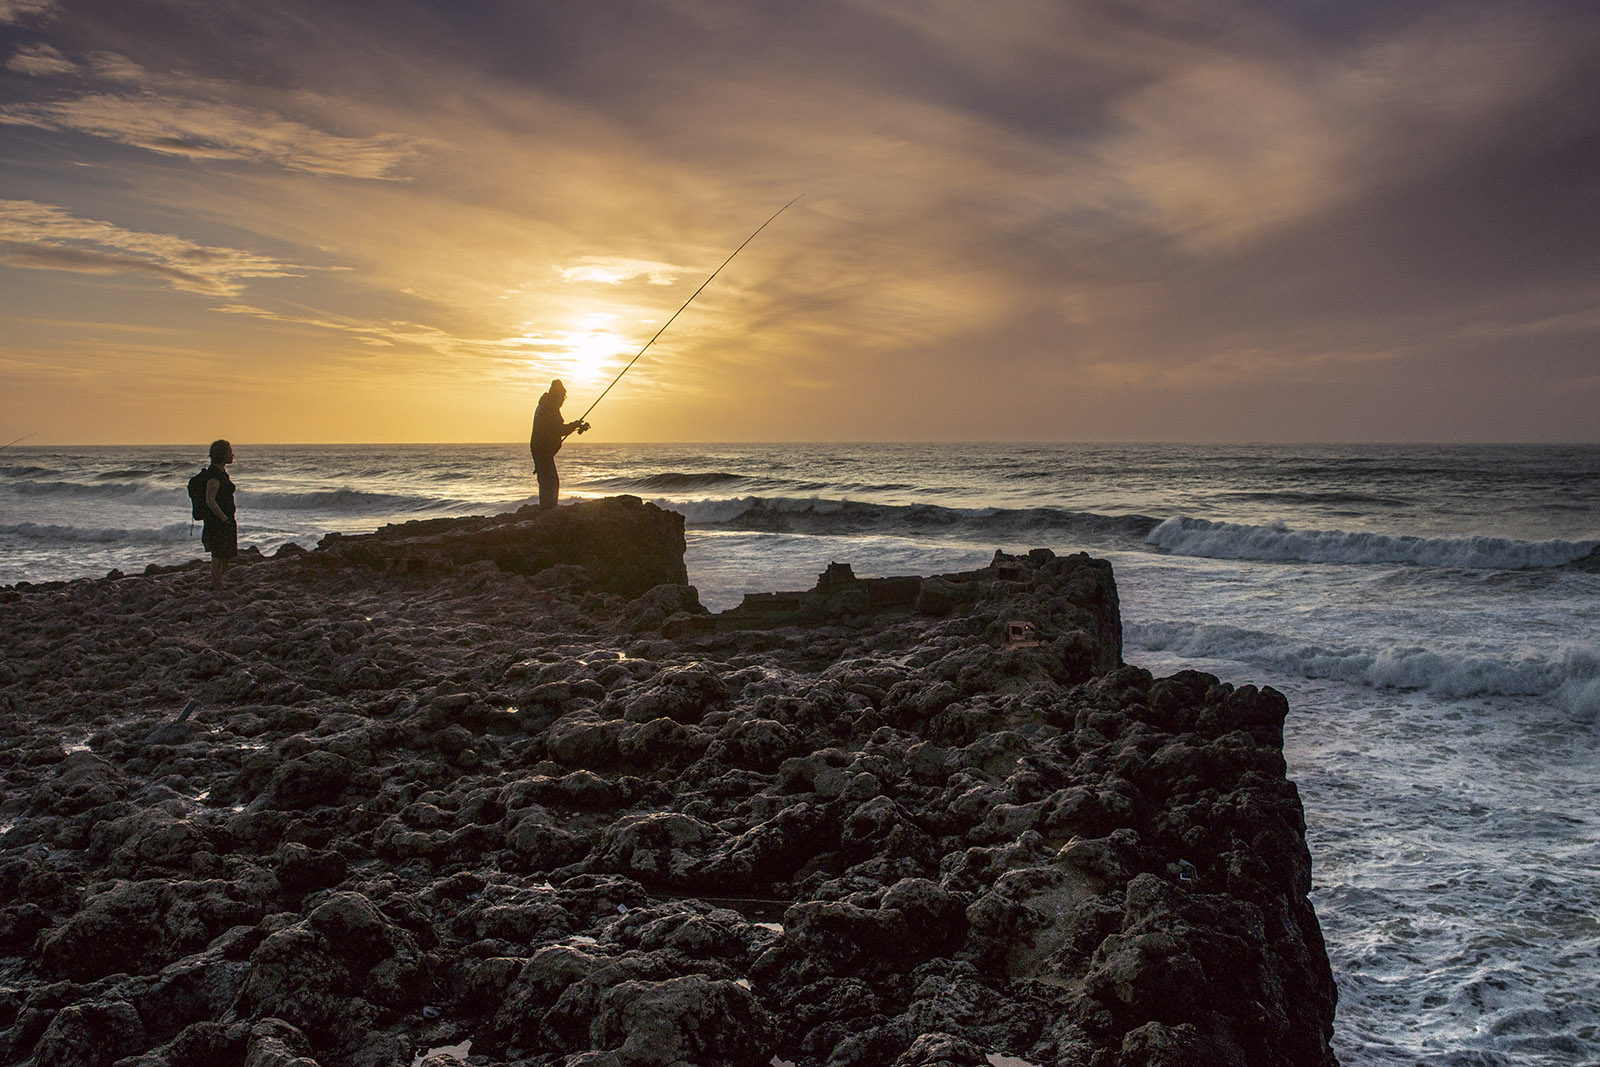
624,545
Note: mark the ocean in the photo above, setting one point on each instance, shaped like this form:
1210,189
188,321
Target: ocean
1431,612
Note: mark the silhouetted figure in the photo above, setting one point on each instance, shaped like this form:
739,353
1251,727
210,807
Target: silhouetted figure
220,535
548,434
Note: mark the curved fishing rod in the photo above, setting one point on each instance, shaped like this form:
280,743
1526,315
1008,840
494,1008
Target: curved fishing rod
25,436
584,417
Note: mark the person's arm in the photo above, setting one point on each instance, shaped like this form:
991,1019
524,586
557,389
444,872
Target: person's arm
212,485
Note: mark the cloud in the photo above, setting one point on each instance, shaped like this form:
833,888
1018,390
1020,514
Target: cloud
196,129
39,61
15,11
1007,204
1232,143
425,352
44,237
199,118
614,270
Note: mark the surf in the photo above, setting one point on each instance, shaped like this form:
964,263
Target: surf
1276,542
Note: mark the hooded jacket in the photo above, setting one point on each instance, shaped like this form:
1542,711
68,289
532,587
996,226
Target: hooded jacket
548,429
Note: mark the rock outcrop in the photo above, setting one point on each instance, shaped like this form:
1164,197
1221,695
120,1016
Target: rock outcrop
622,544
419,805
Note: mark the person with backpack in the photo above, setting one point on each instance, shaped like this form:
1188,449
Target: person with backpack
212,493
548,434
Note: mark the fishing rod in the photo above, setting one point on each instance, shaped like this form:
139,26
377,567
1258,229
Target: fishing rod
584,417
25,436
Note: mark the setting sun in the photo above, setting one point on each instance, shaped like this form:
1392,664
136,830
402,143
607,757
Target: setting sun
591,351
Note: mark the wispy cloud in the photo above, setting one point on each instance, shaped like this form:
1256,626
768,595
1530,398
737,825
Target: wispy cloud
1225,147
197,129
46,237
450,355
40,61
14,11
614,270
198,118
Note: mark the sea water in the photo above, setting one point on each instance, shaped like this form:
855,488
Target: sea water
1432,613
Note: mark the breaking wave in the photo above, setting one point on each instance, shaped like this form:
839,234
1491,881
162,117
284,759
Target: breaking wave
337,501
177,531
668,482
1568,677
1184,536
136,492
823,516
345,501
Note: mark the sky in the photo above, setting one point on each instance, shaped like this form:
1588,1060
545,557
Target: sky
1063,220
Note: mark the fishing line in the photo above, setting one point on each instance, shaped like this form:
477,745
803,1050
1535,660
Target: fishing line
686,303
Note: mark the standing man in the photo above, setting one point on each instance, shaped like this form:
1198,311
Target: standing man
220,535
548,434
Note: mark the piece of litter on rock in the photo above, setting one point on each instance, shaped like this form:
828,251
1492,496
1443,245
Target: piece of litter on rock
999,1059
431,1012
460,1052
742,983
622,909
1186,871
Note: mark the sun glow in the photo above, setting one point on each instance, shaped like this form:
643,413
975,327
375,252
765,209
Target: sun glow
592,351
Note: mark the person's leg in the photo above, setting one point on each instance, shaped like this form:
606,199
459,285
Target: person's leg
549,483
222,540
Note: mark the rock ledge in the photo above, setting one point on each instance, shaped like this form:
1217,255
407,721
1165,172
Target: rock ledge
424,803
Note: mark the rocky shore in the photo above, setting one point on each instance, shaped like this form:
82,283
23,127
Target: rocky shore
499,791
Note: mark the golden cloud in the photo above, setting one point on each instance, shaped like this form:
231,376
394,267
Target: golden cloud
46,237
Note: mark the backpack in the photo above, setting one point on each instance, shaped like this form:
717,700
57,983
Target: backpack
197,496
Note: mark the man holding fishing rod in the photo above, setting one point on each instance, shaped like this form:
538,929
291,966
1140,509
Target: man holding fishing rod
548,434
548,429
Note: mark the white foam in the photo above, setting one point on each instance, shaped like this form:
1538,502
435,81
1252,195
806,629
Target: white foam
1569,676
708,511
177,531
1184,536
1579,691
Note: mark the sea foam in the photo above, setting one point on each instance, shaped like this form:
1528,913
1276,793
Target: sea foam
176,531
1184,536
1567,675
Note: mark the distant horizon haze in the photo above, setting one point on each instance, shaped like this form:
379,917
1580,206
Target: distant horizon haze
1242,443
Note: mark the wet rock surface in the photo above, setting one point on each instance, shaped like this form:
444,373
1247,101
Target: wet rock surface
416,806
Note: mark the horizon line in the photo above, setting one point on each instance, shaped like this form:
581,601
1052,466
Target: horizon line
1250,443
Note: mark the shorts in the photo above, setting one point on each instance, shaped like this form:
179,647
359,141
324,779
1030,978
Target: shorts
220,539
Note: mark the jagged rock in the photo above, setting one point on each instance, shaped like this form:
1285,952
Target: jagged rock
942,1050
623,544
275,1043
335,973
90,1035
429,798
692,1019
